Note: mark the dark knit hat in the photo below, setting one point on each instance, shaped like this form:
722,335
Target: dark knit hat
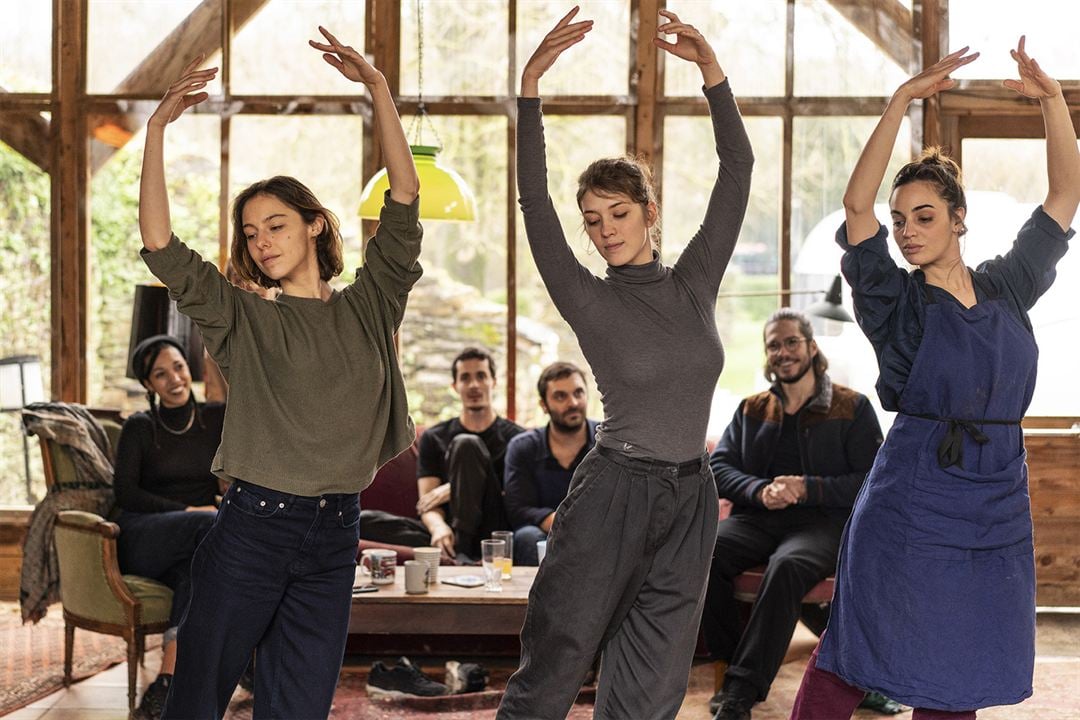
146,352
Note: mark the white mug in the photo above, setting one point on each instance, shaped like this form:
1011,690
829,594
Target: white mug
380,564
416,572
431,556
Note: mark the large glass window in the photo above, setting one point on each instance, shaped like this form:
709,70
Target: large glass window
26,47
464,44
192,152
24,306
270,54
1050,26
1005,181
598,65
749,42
833,57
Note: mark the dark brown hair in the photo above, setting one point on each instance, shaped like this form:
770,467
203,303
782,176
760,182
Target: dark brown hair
941,171
624,175
472,353
557,371
806,329
296,195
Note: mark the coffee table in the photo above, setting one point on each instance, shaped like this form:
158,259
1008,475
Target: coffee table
444,609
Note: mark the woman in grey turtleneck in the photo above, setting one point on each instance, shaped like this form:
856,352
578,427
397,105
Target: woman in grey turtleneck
630,548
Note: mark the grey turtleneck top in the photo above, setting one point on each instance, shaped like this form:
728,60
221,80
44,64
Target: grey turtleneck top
648,331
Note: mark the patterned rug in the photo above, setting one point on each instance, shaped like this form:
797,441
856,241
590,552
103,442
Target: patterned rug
32,661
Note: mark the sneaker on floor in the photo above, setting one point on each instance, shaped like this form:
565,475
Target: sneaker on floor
465,677
879,703
401,680
153,700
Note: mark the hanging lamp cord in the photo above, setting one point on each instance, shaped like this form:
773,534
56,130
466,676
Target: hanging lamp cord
416,127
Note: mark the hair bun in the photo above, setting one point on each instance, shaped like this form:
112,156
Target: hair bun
935,156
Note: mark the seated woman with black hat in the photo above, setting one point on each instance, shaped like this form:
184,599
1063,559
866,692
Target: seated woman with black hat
164,488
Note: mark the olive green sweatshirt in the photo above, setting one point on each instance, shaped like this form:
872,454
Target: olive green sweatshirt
316,398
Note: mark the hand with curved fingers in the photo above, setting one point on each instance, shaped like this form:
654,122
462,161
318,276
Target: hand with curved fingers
182,94
443,538
690,45
935,78
564,35
433,499
1034,82
346,59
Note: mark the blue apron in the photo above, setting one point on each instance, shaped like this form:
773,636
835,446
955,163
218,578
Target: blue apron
935,586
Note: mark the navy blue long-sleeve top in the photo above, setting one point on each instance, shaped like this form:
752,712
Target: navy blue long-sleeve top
890,302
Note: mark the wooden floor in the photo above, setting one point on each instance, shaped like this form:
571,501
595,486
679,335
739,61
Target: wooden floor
104,696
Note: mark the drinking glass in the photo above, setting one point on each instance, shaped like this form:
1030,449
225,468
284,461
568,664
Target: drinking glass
493,552
508,561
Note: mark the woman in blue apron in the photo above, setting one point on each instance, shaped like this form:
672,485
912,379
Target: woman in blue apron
935,587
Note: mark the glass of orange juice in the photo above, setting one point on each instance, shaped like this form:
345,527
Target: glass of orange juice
508,560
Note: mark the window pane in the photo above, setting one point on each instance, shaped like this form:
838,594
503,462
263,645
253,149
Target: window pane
1050,26
543,337
461,299
1005,180
755,63
192,173
122,33
599,65
824,153
833,57
465,47
26,47
322,151
294,67
753,267
25,299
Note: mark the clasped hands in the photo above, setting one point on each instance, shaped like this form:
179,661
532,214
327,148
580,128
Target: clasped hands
784,490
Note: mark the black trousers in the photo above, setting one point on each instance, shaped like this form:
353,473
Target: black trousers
476,496
800,546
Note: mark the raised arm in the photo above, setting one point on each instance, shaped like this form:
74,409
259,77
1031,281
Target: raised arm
154,222
1062,155
706,257
400,170
869,171
561,37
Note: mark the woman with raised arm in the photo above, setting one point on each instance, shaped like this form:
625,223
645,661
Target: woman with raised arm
935,588
630,548
316,404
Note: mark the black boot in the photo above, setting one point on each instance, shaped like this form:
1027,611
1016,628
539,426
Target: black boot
735,701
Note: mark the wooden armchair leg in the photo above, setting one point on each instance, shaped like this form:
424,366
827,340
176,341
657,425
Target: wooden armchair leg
133,666
69,649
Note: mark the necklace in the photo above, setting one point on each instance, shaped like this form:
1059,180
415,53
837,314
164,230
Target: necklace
190,422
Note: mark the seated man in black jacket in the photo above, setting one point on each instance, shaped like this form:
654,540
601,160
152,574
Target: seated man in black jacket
792,461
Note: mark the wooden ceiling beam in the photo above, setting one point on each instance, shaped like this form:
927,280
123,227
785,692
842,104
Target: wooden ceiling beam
887,23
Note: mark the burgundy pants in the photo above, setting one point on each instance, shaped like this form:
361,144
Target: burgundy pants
824,696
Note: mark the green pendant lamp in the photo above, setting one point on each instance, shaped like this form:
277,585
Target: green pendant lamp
444,195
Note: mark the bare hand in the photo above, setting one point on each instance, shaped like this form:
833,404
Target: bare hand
935,78
796,484
348,61
777,495
1033,82
443,538
433,499
181,94
690,44
561,37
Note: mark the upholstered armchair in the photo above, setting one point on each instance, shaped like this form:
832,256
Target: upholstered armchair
98,598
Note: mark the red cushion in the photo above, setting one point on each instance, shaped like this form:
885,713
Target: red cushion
394,488
748,584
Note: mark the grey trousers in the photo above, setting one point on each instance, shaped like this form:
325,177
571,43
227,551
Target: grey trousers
625,573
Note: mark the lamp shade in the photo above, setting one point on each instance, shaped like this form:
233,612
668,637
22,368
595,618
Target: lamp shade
155,313
20,382
443,193
832,307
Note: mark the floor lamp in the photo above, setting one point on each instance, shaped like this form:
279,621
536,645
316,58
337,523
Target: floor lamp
20,385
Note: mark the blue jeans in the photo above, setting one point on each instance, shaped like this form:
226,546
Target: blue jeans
274,575
525,539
